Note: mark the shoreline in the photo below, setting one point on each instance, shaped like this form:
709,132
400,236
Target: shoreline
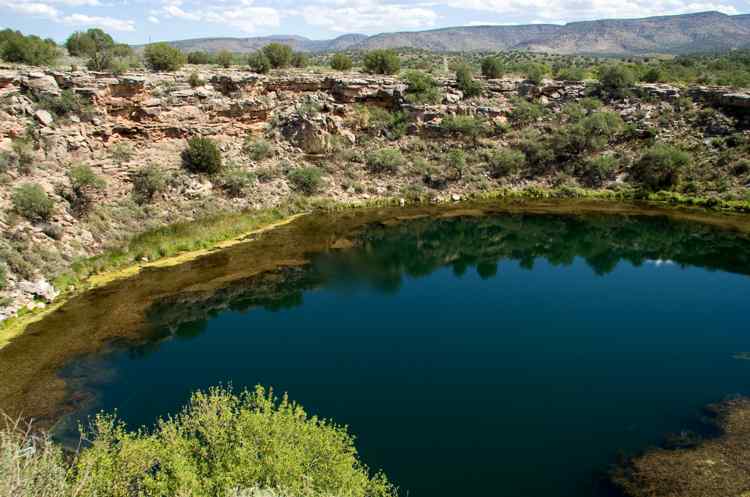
607,202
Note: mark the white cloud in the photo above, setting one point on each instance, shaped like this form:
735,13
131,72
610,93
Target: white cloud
153,20
239,14
368,15
47,11
100,22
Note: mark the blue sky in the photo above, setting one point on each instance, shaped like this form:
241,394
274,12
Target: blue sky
138,21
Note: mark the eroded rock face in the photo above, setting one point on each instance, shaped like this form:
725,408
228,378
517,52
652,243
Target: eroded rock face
311,134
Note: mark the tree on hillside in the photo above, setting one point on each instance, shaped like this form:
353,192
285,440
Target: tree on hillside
88,43
259,62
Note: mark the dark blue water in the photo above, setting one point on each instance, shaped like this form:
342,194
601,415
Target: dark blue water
509,356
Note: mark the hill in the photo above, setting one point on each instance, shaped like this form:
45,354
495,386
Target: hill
678,34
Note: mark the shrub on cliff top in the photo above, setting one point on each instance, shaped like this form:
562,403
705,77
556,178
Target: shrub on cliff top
382,62
279,55
164,57
259,62
341,62
202,155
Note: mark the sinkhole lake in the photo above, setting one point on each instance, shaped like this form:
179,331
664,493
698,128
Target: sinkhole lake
507,354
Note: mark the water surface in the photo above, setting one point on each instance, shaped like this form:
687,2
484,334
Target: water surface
504,355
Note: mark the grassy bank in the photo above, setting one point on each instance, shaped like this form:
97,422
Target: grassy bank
169,245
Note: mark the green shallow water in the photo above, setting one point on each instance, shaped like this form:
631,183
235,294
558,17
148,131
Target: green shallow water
508,355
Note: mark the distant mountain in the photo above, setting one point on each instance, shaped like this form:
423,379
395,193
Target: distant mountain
687,33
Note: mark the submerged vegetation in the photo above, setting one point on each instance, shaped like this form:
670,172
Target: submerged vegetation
221,444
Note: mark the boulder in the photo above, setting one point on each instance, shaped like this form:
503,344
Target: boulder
309,134
40,288
44,117
41,84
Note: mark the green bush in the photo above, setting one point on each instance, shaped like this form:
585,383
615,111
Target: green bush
382,62
456,161
421,88
202,155
164,57
3,283
493,67
235,180
308,179
256,149
570,73
220,444
67,103
32,202
616,80
121,152
391,124
465,126
654,74
595,171
88,43
259,62
465,81
385,160
535,73
224,58
32,50
660,167
279,55
341,62
195,80
504,162
524,113
198,58
300,60
147,182
23,155
83,181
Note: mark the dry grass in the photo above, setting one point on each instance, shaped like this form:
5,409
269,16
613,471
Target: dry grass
718,467
30,465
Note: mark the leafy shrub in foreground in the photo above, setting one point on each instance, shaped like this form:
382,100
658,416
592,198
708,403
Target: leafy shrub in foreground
164,57
308,179
385,160
382,62
523,112
595,171
660,167
202,155
220,444
83,181
341,62
234,180
32,202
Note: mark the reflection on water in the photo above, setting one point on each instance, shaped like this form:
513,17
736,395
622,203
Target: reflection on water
509,354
